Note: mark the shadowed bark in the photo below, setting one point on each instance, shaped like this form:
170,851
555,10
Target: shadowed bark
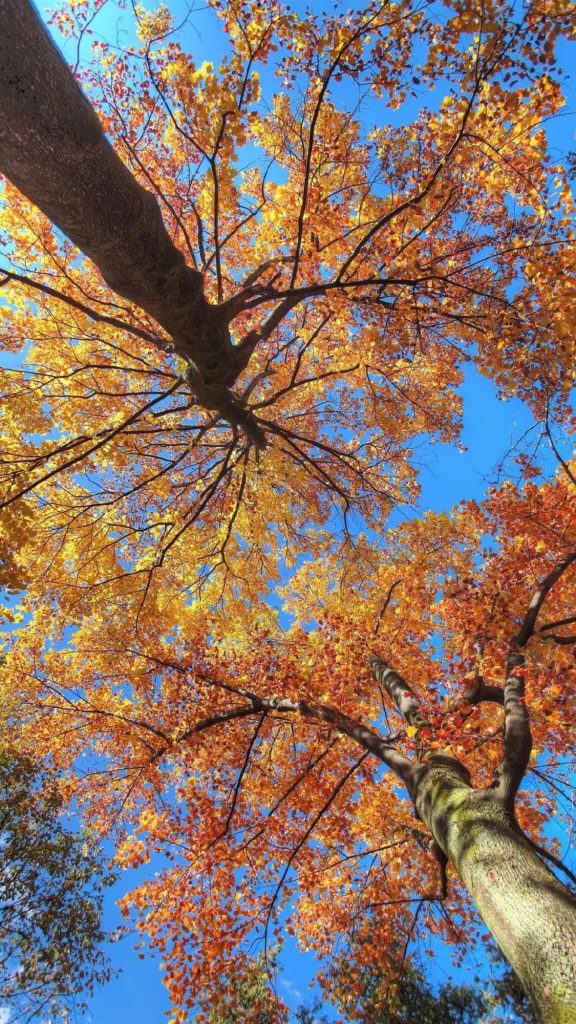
53,148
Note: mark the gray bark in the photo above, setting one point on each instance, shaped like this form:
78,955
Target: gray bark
530,913
53,148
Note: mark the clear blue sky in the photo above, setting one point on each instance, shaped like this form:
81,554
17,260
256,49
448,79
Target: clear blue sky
490,429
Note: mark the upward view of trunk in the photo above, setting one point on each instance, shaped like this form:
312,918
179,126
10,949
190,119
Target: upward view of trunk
529,912
53,148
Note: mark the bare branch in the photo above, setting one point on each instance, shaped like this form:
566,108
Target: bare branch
567,621
557,638
108,436
371,741
320,814
483,692
400,693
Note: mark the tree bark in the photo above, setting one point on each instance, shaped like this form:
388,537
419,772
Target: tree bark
530,913
53,148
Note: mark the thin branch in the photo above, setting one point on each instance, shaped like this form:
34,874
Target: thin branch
323,810
89,451
558,864
557,638
241,774
385,604
557,622
103,318
372,742
528,626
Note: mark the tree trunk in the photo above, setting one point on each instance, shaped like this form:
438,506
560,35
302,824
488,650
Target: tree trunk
53,148
529,912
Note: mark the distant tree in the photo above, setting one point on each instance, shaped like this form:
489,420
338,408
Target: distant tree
403,993
52,882
311,1014
410,997
511,997
413,998
247,999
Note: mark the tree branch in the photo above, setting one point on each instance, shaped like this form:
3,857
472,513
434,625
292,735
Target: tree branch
54,150
102,318
407,703
528,626
517,734
366,737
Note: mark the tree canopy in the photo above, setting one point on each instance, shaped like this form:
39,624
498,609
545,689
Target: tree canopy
236,297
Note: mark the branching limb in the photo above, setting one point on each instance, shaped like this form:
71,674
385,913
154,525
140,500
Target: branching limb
54,150
561,462
528,626
369,739
517,735
562,640
400,693
483,692
238,784
558,864
304,839
544,633
407,704
105,439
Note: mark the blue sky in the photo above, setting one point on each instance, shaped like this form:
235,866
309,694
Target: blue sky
490,429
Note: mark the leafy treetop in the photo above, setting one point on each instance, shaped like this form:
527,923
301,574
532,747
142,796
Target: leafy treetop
206,417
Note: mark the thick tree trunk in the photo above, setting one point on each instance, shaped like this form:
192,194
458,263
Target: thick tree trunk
53,148
529,912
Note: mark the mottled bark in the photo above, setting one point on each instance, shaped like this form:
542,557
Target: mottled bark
53,148
530,913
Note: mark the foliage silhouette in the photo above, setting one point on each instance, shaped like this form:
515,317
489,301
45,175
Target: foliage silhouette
52,885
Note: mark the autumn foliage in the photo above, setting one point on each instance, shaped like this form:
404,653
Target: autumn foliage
204,592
